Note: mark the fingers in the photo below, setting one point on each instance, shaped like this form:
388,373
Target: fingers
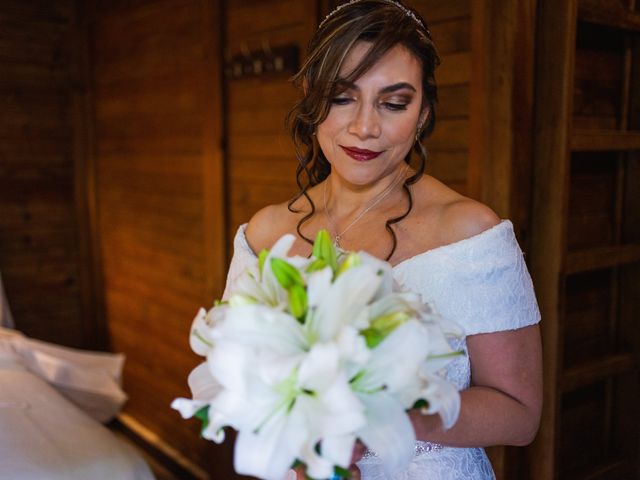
355,473
358,452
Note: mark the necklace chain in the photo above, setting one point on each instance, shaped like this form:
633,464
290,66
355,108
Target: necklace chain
338,235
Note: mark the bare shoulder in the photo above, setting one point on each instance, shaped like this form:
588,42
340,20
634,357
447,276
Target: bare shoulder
453,216
267,225
464,218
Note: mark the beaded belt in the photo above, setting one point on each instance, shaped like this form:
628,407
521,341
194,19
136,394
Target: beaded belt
419,449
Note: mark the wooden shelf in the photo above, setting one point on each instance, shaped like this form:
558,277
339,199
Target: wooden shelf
613,468
593,371
602,257
598,140
611,14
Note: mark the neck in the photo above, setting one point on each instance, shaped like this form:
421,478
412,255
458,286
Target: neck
345,199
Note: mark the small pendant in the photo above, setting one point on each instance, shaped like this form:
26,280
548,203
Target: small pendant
336,241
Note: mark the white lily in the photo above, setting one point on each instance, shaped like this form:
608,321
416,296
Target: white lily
259,285
310,354
392,381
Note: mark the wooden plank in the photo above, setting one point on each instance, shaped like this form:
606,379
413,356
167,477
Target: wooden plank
613,13
453,102
598,81
455,69
179,185
598,369
603,257
594,140
281,170
272,95
449,135
151,126
435,11
52,12
452,36
259,121
260,146
264,17
448,165
555,46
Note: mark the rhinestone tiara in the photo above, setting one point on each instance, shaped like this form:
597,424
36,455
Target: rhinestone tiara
404,10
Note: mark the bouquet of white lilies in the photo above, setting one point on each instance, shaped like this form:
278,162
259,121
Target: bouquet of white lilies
310,354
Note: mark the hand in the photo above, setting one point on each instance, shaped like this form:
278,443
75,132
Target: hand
358,451
298,473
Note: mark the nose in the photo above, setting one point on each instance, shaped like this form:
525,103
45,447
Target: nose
365,122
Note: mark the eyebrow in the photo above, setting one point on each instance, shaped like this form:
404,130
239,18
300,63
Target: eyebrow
388,89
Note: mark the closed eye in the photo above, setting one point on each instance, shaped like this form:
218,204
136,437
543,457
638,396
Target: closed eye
395,107
341,101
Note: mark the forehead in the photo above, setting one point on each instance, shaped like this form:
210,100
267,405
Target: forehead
397,65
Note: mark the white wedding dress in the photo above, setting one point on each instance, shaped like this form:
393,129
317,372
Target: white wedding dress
482,283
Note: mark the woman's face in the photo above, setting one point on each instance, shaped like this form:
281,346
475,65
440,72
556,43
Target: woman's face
371,126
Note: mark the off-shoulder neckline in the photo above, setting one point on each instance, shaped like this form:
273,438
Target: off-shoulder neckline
442,248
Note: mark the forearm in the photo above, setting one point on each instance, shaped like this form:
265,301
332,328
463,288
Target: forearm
487,417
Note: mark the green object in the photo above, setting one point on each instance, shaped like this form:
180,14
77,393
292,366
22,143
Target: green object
298,302
286,274
203,416
262,257
323,249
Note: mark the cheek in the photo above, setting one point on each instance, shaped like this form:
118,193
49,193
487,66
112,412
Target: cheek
405,127
325,134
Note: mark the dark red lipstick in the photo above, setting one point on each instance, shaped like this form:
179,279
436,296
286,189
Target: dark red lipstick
360,154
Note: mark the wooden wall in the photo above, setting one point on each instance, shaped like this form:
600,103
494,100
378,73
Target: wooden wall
157,163
41,251
448,147
260,158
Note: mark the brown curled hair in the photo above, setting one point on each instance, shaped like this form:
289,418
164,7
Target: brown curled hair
384,25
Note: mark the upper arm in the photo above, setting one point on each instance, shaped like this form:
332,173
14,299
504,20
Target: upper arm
510,362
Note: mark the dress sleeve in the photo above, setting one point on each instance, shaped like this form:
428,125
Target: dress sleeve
495,289
243,257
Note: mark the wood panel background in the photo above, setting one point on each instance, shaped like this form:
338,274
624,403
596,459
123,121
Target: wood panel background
128,161
41,251
260,157
448,146
156,155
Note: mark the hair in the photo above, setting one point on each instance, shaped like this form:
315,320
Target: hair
384,24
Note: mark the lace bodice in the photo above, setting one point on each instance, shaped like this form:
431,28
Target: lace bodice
481,283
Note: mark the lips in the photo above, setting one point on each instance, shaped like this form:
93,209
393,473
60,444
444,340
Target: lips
360,154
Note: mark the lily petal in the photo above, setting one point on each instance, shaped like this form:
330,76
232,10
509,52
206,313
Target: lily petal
269,452
388,432
345,299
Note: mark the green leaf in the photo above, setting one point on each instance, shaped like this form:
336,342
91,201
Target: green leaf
372,337
341,472
286,274
262,257
385,324
421,403
317,264
352,260
298,302
203,415
323,249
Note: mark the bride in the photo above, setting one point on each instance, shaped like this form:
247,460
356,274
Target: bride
369,99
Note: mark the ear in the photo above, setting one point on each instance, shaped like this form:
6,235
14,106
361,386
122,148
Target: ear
424,116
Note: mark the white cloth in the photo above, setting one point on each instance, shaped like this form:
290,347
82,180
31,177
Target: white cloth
481,283
44,436
6,320
91,380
